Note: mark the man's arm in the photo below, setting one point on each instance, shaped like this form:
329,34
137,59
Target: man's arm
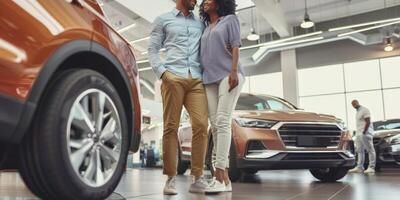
368,122
157,37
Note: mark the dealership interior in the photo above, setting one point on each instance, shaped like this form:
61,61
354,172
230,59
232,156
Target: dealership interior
306,60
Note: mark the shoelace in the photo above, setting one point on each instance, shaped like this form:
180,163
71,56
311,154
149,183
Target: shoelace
171,183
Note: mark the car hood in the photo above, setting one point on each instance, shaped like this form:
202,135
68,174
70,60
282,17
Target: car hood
294,115
386,133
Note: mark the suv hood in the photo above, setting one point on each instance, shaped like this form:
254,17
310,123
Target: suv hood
386,133
294,115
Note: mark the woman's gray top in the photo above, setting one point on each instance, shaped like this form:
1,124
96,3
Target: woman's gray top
215,56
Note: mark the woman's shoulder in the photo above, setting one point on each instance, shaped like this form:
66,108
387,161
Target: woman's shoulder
231,18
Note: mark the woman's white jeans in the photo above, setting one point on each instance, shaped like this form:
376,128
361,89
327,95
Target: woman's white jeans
221,104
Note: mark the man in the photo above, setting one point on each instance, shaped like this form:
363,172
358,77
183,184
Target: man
179,32
364,139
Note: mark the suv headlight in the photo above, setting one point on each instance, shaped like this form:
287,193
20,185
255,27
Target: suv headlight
255,123
342,125
394,140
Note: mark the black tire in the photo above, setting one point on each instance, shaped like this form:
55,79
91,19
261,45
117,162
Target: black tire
45,165
250,171
234,172
330,174
182,165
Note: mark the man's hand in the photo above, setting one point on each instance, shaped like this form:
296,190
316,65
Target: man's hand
233,81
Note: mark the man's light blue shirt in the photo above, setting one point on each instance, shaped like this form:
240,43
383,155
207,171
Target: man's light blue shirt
180,36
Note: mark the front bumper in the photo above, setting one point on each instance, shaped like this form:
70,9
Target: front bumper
297,160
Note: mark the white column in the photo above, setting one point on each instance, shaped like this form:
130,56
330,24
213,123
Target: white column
289,76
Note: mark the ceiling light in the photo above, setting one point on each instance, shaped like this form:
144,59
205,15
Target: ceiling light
126,28
139,40
367,29
388,44
364,24
253,36
307,22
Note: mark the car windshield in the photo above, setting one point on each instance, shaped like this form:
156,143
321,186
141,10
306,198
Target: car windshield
258,102
387,125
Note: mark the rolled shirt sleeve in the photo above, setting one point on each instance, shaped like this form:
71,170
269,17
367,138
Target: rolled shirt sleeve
157,37
234,32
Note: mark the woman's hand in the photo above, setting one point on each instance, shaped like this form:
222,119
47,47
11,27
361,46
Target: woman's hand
233,80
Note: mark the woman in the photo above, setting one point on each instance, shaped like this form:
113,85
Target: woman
223,79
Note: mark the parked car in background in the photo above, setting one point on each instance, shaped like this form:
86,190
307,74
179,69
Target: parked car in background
69,98
386,141
271,133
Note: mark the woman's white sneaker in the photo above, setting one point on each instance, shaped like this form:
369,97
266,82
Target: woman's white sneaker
215,187
228,187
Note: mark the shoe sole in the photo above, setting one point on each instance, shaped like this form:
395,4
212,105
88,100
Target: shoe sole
170,193
213,192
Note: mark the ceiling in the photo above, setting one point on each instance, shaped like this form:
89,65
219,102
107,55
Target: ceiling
269,16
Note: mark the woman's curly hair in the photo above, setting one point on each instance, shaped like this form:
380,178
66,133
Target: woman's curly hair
225,7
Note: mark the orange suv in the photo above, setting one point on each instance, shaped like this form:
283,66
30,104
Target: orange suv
69,98
270,133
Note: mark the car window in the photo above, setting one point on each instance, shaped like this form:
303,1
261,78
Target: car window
277,105
386,125
258,102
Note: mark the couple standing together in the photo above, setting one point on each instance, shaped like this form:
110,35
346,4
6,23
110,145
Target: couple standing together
201,71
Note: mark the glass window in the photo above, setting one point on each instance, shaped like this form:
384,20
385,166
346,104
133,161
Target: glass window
327,104
270,84
390,68
258,102
277,105
321,80
371,100
392,105
387,124
363,75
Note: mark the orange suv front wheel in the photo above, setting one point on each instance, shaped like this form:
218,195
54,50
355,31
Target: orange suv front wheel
78,143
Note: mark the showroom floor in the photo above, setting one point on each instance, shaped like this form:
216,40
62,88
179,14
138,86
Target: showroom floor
147,184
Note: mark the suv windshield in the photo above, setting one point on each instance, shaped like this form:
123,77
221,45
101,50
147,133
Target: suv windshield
387,125
258,102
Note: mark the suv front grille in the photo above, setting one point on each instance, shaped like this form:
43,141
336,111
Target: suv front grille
316,135
313,156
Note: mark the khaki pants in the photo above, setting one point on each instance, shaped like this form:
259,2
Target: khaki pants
177,92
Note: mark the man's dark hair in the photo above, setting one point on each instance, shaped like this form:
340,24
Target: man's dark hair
225,7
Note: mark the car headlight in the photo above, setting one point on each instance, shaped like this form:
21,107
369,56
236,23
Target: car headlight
342,125
255,123
394,140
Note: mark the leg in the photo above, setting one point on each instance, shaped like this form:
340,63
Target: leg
360,151
226,105
173,92
212,100
369,147
196,104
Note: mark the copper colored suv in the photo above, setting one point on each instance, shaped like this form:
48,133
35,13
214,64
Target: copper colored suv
270,133
69,106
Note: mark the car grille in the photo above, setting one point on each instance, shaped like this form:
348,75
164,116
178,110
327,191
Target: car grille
329,133
313,156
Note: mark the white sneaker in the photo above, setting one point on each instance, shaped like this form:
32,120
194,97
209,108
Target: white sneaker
216,187
370,171
356,170
228,187
169,188
198,186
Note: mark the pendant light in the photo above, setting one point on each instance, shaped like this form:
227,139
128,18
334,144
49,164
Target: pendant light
307,22
388,44
253,36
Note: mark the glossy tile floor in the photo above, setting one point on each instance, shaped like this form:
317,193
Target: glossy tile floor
147,184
